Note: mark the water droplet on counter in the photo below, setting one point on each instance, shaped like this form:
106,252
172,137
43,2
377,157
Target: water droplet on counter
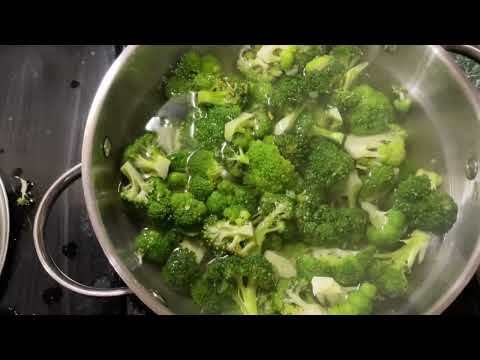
471,168
74,84
52,295
92,53
10,118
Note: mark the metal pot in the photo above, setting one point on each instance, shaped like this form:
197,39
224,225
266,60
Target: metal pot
444,125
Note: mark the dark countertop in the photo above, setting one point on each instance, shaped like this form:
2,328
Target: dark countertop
45,95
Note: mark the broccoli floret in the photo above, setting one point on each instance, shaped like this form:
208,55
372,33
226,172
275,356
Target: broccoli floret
234,279
328,292
378,183
294,148
202,163
231,194
186,210
328,226
177,180
426,209
370,112
305,53
287,122
193,73
387,148
178,161
154,246
181,269
294,297
201,187
387,227
229,237
322,75
289,91
257,123
359,302
348,55
25,197
402,102
346,192
145,154
347,267
150,195
237,214
323,124
205,127
328,165
224,91
266,62
267,171
275,210
352,75
389,272
260,92
436,179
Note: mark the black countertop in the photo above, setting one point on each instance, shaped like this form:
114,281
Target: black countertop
45,95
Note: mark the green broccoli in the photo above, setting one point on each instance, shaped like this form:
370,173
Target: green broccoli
231,194
267,171
348,55
234,279
387,227
275,209
154,246
260,92
402,102
181,269
202,163
257,123
322,75
289,91
266,62
145,154
323,124
426,209
224,91
177,180
201,187
369,111
387,148
359,302
294,148
178,161
347,267
186,210
294,297
352,75
205,127
151,196
328,165
389,272
237,214
378,183
328,226
346,192
228,236
436,179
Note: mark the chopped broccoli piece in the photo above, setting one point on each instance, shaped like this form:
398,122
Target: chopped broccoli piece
202,163
181,269
229,237
257,123
268,171
201,187
387,227
294,297
154,246
186,210
347,267
425,209
283,267
359,302
234,279
145,154
348,190
328,165
387,148
379,182
177,180
389,272
231,194
348,55
402,102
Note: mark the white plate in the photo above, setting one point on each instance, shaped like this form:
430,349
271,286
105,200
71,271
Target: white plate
4,224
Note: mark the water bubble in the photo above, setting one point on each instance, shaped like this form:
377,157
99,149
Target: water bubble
471,168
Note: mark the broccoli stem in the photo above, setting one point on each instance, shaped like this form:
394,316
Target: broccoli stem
247,298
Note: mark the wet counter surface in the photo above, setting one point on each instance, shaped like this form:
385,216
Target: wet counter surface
45,95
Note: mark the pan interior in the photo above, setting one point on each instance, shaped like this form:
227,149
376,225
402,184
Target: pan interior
442,128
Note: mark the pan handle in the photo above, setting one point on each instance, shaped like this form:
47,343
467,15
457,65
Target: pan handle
470,51
46,260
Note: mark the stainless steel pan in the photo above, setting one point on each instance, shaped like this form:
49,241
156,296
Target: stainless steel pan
445,135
